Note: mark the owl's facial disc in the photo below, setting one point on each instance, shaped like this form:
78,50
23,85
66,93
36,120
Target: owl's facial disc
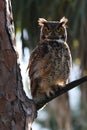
53,30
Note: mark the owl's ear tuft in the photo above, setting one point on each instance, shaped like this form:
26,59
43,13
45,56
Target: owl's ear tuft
63,21
41,21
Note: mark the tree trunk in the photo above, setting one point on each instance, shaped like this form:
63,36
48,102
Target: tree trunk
63,112
15,109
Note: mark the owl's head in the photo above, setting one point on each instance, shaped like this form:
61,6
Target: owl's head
53,30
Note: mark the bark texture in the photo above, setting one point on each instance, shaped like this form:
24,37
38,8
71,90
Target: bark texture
16,110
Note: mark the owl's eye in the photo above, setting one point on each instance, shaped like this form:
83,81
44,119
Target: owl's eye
47,29
59,29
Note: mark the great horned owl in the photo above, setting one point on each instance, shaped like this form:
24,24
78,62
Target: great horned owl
50,61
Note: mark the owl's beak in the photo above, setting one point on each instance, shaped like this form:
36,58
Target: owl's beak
52,35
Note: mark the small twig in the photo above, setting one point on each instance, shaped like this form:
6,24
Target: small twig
43,99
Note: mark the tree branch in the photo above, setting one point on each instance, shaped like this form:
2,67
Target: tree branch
58,90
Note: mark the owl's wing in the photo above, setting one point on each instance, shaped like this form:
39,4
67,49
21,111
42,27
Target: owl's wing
38,67
32,59
38,60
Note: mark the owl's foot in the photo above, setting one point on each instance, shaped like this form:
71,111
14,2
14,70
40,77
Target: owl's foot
56,89
50,93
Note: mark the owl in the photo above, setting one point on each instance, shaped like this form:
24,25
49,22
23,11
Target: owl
50,62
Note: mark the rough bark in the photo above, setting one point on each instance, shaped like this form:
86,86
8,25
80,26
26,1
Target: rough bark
16,110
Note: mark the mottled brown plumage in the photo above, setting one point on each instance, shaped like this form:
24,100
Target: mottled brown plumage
50,61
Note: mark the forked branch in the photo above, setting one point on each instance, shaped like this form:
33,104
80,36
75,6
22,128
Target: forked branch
43,99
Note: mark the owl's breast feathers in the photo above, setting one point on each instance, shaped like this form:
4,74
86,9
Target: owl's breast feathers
49,65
